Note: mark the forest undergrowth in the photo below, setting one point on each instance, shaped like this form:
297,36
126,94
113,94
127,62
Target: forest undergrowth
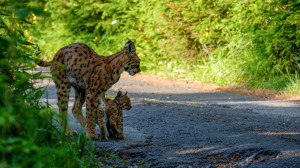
250,43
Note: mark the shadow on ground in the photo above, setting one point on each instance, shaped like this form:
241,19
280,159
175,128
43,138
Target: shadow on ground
174,126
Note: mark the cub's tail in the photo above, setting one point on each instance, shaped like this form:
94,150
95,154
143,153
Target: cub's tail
43,63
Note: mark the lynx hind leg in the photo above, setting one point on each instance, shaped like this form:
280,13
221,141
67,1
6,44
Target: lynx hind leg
91,109
63,91
77,107
100,121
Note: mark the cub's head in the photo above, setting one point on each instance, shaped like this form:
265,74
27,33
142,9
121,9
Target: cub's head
133,65
124,101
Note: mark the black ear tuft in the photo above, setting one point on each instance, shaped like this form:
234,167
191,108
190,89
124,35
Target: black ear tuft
119,94
127,46
130,48
128,43
125,93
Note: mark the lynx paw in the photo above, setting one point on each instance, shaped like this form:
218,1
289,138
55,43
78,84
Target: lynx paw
121,136
92,134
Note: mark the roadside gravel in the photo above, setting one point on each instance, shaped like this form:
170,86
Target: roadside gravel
171,126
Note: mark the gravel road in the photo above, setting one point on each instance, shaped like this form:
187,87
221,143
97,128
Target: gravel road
181,127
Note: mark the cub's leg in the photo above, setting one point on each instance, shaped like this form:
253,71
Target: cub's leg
91,108
100,121
77,107
63,91
120,125
114,131
112,128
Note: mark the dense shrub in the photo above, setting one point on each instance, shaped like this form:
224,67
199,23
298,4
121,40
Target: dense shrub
28,137
250,42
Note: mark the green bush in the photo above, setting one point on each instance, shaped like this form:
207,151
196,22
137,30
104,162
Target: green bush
250,43
28,137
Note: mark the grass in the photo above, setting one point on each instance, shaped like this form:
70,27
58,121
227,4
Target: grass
240,68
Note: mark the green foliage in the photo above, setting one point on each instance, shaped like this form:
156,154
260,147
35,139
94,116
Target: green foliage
252,43
28,137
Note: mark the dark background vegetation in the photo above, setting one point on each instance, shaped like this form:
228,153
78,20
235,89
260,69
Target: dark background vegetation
252,43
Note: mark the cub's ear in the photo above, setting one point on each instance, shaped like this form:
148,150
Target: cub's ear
119,94
130,48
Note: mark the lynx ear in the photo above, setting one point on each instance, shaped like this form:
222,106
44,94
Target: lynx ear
119,94
125,93
127,45
130,48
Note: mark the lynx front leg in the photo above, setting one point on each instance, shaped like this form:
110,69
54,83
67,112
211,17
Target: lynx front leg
111,128
113,125
116,133
91,105
101,115
100,121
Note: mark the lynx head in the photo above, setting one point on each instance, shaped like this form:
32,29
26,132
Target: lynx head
133,65
124,101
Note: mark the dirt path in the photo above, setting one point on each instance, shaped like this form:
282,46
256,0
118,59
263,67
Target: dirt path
171,126
260,93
